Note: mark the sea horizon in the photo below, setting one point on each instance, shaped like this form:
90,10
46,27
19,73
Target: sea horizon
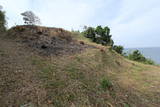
149,52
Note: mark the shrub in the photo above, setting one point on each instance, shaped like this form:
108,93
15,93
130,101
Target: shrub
81,42
150,62
118,49
99,35
138,56
105,84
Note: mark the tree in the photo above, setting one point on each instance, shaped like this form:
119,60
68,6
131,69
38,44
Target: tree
119,49
2,20
99,35
138,56
90,33
30,18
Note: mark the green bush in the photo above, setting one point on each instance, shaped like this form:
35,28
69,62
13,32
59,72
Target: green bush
106,84
150,62
118,49
99,35
138,56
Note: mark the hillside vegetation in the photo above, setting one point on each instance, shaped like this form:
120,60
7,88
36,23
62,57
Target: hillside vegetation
51,67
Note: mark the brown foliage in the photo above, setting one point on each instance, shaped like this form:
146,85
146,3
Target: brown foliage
81,42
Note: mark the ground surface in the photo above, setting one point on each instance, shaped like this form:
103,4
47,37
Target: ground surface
29,78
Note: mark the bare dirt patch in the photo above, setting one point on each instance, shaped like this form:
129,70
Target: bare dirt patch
47,41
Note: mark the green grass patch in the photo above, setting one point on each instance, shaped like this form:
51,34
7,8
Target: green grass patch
105,83
126,105
2,53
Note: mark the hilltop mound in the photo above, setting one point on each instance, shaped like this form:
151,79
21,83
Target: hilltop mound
96,77
45,40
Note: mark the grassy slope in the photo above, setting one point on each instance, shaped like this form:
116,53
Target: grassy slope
76,80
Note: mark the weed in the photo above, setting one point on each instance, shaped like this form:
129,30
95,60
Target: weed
126,105
78,59
2,53
106,84
46,70
36,62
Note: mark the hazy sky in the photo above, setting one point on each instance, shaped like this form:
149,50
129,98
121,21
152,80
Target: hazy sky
133,23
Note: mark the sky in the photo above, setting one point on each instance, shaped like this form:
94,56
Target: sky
133,23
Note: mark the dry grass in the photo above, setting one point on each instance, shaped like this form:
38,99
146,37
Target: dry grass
31,31
27,78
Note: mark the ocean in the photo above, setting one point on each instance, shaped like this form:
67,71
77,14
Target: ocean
151,53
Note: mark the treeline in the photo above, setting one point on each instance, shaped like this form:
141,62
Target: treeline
101,35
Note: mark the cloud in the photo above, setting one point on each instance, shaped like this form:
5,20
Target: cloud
58,13
65,14
137,26
134,23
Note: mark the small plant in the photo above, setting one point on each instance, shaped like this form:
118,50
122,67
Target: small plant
126,105
106,84
81,42
46,70
138,56
118,49
150,62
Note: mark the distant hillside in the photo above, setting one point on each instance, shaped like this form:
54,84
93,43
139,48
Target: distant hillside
152,53
64,69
